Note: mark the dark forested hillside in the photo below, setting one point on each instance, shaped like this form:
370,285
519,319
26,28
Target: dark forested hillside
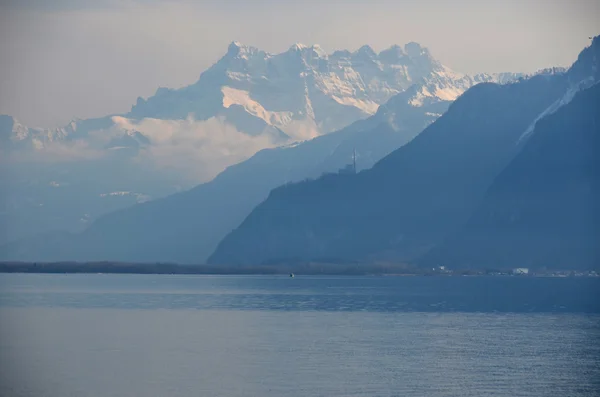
413,199
544,208
410,200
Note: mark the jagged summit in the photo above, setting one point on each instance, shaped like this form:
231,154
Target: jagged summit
392,54
298,47
366,50
415,49
319,51
237,49
303,91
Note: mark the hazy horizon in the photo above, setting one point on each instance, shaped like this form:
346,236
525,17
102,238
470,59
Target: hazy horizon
80,59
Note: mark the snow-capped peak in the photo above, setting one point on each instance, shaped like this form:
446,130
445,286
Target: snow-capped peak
306,88
319,51
394,54
415,50
13,129
300,93
298,47
366,51
236,49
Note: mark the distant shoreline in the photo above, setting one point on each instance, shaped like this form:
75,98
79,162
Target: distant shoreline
169,268
332,269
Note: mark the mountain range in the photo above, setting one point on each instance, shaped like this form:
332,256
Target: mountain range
63,179
543,210
349,157
507,175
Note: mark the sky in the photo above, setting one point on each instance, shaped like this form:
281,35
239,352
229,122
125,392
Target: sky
65,59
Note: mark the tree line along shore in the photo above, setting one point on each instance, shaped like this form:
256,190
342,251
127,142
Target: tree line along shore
306,268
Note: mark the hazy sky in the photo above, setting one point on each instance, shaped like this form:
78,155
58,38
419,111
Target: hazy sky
62,59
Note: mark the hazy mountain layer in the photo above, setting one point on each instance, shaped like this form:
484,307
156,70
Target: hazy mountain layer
63,178
186,227
414,198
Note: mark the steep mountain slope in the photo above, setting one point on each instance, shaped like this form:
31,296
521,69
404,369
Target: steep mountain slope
304,91
413,198
544,208
186,227
410,199
247,101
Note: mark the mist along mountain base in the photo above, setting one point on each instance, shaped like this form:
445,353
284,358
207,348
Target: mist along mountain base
187,227
247,101
416,197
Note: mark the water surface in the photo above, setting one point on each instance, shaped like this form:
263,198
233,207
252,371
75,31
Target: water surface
144,335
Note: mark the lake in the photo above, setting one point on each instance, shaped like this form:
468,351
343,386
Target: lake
159,335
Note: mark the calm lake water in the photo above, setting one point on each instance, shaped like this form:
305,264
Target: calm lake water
144,335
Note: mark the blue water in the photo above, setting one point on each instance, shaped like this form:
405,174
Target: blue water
157,335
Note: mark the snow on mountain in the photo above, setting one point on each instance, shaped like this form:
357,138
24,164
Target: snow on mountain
296,95
559,103
247,101
13,134
305,85
582,75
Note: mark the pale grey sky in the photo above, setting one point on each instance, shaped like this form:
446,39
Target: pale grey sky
62,59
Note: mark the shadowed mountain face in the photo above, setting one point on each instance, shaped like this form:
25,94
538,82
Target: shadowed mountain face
409,200
544,208
187,227
414,198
